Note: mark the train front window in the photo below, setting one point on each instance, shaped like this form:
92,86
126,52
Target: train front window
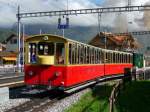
46,48
32,53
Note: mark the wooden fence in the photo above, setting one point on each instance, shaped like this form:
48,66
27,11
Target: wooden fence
128,77
114,94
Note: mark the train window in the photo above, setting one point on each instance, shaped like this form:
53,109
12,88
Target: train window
70,54
128,58
92,56
60,53
120,58
73,53
79,51
108,57
117,57
85,55
102,56
77,54
131,59
95,56
88,53
81,54
32,53
108,60
45,48
114,61
112,57
124,58
99,56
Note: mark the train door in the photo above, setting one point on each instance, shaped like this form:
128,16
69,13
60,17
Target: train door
60,54
32,58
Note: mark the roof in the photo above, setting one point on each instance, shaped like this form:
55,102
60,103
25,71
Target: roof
117,39
14,35
8,54
3,45
10,58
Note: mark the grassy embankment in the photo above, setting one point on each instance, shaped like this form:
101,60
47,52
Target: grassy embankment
134,98
96,100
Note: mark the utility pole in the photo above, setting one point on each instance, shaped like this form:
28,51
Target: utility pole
99,23
23,45
19,37
129,2
61,25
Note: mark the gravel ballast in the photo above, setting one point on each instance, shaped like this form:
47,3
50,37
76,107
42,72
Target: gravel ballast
12,103
63,104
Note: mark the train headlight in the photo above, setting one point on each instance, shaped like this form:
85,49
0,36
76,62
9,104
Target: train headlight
57,74
31,73
62,83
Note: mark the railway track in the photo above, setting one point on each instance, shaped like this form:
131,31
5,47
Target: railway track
11,79
39,101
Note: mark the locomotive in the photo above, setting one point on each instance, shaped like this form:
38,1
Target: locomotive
60,63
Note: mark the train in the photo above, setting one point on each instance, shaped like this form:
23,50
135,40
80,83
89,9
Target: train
60,63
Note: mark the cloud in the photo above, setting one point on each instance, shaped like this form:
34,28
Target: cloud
9,9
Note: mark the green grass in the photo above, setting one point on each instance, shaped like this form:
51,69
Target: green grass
134,98
96,100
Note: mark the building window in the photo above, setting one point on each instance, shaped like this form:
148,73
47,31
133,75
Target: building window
13,41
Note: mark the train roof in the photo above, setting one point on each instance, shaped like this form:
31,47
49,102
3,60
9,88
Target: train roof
70,40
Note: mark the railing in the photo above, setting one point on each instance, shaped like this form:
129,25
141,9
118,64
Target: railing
143,74
140,74
114,94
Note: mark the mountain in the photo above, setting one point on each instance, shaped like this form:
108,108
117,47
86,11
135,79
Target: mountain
79,33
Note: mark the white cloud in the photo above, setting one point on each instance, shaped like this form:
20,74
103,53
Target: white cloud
9,9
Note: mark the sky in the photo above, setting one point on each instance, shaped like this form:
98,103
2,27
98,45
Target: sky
8,10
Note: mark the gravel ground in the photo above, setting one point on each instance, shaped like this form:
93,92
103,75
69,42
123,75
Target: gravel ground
12,103
66,102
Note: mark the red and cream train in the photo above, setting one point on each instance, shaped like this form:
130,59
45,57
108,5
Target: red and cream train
57,62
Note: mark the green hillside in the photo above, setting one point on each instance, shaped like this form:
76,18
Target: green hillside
5,33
